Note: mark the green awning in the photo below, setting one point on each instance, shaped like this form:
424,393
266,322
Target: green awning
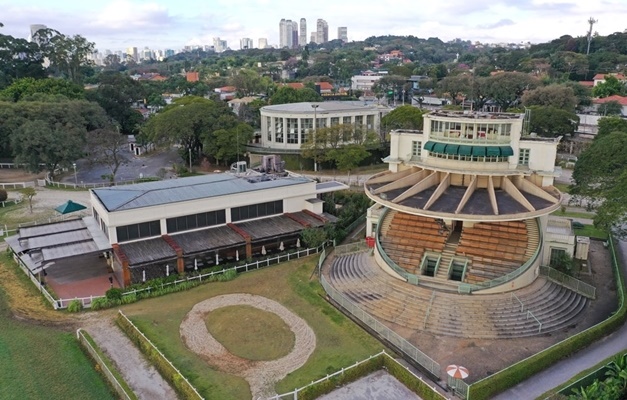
493,151
452,149
507,151
464,150
429,145
478,151
439,148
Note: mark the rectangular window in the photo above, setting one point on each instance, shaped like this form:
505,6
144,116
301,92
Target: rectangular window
557,256
506,129
138,231
194,221
256,210
306,125
335,121
278,130
359,120
370,121
269,128
292,130
416,149
321,123
523,156
346,120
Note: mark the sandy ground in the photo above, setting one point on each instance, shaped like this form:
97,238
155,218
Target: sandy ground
379,385
141,376
260,375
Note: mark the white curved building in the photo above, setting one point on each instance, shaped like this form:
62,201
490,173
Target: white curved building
284,127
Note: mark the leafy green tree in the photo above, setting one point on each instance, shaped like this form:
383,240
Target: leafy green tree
67,54
22,89
403,117
116,93
552,121
249,82
507,88
610,87
455,87
348,157
227,144
313,237
286,94
19,58
610,108
557,96
608,125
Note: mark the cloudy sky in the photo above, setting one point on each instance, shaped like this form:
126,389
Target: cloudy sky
160,24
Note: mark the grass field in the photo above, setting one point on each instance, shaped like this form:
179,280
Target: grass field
572,214
41,362
340,342
562,187
251,333
591,231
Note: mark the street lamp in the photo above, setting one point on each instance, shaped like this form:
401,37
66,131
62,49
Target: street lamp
75,178
190,159
315,108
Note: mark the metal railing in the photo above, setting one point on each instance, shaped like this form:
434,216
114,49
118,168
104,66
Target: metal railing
117,386
530,314
569,282
522,305
50,182
383,331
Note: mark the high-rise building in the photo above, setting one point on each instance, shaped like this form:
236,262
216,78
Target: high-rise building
322,31
302,38
285,33
246,43
34,28
294,34
132,53
263,43
313,38
342,34
219,45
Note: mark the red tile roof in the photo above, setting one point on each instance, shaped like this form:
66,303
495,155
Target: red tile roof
600,77
587,83
620,99
226,89
295,85
325,85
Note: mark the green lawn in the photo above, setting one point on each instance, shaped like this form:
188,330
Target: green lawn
39,362
562,187
591,231
340,342
572,214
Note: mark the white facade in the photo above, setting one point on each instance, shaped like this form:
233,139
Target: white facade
322,31
286,126
302,37
263,43
364,82
342,34
246,43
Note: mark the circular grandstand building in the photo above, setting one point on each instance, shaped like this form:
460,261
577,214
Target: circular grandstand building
464,205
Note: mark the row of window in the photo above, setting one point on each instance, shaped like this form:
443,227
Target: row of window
256,210
469,158
194,221
291,132
523,155
470,130
138,231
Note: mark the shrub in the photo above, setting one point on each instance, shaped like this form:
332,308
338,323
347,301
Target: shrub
100,303
4,195
114,294
75,306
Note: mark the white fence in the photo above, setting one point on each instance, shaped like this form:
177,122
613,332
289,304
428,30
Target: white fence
253,265
294,394
80,335
50,182
383,331
17,185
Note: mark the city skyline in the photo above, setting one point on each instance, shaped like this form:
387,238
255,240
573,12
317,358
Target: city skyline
161,24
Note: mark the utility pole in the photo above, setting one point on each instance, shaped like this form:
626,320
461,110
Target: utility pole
591,21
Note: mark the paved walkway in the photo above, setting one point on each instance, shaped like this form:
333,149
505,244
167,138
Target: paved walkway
571,366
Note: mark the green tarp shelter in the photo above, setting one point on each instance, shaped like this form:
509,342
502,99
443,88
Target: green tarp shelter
69,207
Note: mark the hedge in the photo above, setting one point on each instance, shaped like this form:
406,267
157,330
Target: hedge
165,368
509,377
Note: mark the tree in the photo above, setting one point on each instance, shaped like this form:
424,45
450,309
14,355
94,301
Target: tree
67,54
403,117
610,108
22,89
19,58
608,125
506,88
610,87
600,176
4,195
313,237
249,82
106,147
286,94
28,193
557,96
227,144
455,87
348,157
552,121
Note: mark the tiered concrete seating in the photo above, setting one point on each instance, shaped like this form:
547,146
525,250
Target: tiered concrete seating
409,236
495,248
473,316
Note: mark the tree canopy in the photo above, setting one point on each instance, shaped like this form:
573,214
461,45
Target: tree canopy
403,117
556,96
552,121
26,88
286,94
610,87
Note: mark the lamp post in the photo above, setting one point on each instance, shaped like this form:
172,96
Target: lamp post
75,178
315,108
190,159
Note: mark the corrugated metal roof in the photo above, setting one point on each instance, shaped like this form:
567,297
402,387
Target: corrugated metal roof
270,227
147,251
118,198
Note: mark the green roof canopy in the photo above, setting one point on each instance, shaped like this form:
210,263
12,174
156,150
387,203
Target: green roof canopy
439,148
452,149
429,145
69,207
493,151
507,151
465,150
478,151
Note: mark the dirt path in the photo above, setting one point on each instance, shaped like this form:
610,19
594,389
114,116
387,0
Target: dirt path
140,375
260,375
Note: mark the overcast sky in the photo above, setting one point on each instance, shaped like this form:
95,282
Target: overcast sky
160,24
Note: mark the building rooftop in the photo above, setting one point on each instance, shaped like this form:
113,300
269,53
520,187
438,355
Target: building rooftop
326,106
119,198
475,115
